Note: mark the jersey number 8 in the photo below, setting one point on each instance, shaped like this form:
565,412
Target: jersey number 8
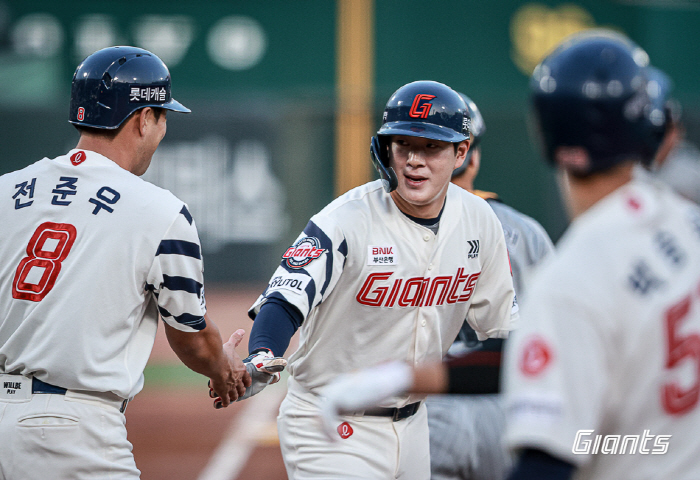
39,261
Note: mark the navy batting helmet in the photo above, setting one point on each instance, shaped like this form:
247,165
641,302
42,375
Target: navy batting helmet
114,82
592,106
419,109
477,129
661,92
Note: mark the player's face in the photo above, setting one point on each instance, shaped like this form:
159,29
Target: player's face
154,134
423,168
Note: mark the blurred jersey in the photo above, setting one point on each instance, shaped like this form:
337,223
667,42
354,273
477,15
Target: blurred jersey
681,170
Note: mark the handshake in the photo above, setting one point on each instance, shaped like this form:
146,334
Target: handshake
262,368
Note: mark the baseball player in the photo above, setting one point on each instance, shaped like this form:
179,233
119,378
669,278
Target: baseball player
387,271
89,257
602,379
466,430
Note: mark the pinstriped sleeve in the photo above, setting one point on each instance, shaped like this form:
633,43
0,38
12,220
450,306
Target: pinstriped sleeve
176,277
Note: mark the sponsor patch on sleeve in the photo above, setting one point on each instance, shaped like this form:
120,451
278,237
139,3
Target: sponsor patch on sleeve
382,255
294,282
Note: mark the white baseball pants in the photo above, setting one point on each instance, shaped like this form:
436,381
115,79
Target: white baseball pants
377,447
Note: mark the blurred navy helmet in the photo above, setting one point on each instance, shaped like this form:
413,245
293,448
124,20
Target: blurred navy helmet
477,129
419,109
665,107
114,82
592,105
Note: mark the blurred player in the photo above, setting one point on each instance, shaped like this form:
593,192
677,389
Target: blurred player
602,380
466,430
90,255
388,271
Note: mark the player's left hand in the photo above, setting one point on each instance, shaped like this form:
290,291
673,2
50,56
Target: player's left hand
358,391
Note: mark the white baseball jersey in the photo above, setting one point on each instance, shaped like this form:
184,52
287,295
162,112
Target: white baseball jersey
604,371
89,255
375,286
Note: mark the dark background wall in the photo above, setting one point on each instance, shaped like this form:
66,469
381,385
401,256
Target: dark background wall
255,158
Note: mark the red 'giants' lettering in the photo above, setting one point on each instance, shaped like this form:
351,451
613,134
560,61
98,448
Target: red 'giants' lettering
377,291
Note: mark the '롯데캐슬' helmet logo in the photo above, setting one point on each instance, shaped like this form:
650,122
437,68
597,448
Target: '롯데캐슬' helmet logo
303,252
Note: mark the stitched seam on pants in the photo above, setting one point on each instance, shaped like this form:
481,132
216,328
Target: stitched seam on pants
398,450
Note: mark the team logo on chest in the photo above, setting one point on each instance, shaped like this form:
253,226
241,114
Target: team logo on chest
303,252
380,290
382,255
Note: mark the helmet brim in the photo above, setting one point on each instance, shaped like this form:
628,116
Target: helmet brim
421,129
175,106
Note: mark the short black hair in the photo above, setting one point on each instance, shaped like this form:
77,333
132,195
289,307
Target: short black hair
111,133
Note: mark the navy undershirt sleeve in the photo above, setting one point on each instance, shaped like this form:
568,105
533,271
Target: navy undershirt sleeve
274,326
538,465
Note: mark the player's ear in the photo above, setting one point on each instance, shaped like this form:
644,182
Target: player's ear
146,118
461,153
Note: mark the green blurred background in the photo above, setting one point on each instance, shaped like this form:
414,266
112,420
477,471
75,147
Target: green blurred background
255,159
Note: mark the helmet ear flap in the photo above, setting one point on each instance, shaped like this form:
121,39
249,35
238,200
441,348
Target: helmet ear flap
379,154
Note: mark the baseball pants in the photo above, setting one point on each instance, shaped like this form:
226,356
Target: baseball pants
55,436
466,434
374,447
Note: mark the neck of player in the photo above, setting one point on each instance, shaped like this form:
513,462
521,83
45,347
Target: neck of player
429,210
581,193
133,145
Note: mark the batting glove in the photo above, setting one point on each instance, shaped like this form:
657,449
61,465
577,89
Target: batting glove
264,369
358,391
